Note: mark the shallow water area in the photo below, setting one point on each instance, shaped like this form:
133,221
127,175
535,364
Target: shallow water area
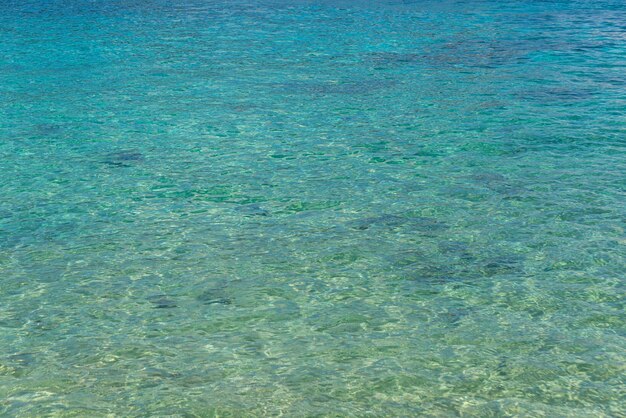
349,208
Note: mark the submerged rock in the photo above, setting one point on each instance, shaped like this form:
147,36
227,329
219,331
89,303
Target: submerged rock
419,223
23,359
460,53
5,213
252,209
408,258
487,177
155,372
46,129
123,158
426,224
456,249
558,94
499,184
17,365
214,297
510,192
436,274
454,315
393,58
382,220
504,264
162,302
347,87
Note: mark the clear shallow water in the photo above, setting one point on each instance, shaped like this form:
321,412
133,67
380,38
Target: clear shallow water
262,208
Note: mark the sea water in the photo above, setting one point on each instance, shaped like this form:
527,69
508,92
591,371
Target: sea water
312,208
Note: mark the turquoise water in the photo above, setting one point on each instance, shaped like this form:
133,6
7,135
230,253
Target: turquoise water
312,208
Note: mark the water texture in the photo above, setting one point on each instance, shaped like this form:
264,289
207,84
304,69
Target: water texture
312,208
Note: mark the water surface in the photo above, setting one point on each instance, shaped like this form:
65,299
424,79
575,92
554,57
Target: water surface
306,208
